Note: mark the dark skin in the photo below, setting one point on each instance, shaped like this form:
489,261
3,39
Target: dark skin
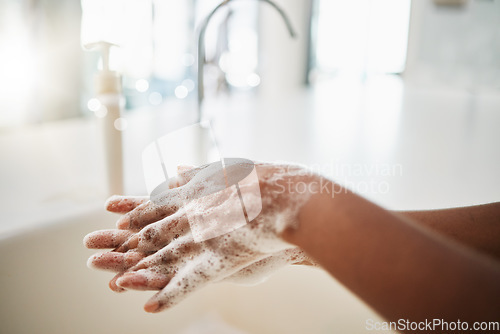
477,227
415,265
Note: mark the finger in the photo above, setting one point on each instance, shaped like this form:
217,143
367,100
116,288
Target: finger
124,204
157,235
184,168
131,243
112,283
106,239
256,272
183,176
143,280
148,213
187,172
189,279
170,257
114,261
259,271
161,265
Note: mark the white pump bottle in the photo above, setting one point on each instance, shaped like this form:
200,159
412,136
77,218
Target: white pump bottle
108,91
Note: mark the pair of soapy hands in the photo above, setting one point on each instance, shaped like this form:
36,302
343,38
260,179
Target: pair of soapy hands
154,247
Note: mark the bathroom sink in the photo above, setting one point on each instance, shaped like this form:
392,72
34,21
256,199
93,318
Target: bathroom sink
47,288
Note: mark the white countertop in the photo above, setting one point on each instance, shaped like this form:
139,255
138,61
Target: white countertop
402,146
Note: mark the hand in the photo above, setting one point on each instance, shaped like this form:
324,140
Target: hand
156,248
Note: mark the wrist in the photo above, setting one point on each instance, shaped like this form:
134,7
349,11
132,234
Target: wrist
327,210
314,210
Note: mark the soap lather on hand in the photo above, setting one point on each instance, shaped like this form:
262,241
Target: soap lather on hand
156,245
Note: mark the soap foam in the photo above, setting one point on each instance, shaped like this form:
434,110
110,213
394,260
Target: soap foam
246,254
261,270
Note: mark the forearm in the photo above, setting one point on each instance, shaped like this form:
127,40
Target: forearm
475,226
397,267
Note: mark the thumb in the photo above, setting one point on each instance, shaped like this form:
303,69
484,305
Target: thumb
184,168
165,193
185,173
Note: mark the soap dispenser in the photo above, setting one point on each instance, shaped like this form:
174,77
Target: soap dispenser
108,92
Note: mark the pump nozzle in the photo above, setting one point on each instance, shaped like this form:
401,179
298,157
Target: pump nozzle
104,48
107,81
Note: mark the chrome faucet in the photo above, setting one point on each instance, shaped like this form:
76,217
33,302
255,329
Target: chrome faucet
201,45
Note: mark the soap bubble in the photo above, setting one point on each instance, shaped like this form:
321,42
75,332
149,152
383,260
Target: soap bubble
187,59
93,104
101,112
189,84
121,124
142,85
181,92
155,98
253,80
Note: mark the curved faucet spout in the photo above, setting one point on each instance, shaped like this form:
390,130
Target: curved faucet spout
201,44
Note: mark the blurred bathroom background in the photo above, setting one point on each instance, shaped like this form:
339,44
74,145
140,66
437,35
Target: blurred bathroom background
397,100
363,81
47,76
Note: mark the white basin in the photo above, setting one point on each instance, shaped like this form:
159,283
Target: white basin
47,288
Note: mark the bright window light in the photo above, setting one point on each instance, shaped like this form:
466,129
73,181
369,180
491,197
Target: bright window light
361,36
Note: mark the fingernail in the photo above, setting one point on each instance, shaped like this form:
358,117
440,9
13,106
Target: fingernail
113,286
90,262
131,280
87,241
133,241
111,200
122,282
123,223
151,306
